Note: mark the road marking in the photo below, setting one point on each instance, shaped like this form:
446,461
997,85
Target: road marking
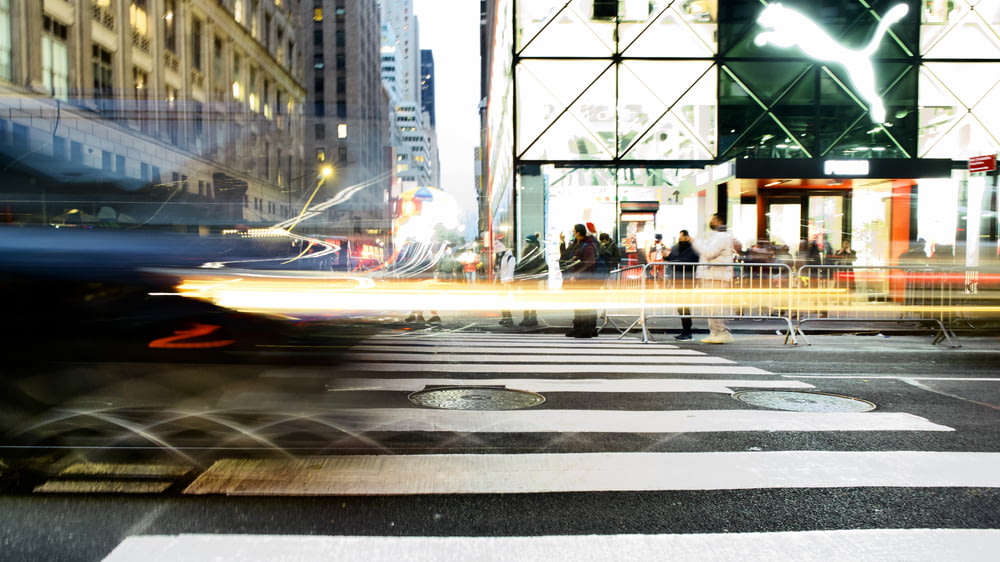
357,420
510,347
806,546
566,385
367,475
526,358
522,340
550,368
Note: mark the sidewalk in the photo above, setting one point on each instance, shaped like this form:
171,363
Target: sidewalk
663,330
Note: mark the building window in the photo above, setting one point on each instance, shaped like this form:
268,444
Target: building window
120,164
106,158
196,44
237,77
169,26
139,20
55,59
103,83
252,98
320,131
317,14
342,131
321,154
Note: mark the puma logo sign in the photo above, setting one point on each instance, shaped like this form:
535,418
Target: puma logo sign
788,28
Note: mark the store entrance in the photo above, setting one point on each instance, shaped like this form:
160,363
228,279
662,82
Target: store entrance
797,219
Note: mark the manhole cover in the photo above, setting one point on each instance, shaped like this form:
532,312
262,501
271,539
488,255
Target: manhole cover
803,401
476,398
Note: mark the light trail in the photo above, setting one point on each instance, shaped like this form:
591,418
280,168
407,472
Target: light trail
338,294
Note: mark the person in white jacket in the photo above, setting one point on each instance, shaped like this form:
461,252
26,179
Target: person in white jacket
506,261
717,247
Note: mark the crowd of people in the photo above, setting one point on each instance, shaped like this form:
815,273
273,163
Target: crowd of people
587,257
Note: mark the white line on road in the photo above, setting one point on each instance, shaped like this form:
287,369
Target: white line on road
517,347
803,546
619,421
524,357
365,475
550,368
567,385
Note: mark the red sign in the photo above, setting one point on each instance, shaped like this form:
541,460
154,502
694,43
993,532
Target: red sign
986,163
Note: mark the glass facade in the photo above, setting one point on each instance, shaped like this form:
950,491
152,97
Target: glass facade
625,101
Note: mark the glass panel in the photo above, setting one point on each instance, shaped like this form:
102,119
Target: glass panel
952,29
672,29
959,120
825,220
662,116
870,223
568,110
783,220
560,28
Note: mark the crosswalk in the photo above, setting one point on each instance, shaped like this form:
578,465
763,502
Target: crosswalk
596,390
625,403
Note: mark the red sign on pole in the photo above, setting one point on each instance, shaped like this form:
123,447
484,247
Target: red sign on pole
986,163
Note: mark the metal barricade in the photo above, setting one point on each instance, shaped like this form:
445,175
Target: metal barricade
623,310
863,294
752,291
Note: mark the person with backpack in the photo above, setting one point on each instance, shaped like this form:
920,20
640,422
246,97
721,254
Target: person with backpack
683,252
582,268
609,252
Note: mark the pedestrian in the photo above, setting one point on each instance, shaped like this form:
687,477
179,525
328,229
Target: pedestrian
531,266
820,254
683,252
609,251
470,263
418,316
504,266
579,271
654,256
717,247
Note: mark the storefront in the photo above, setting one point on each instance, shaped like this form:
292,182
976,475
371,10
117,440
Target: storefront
651,101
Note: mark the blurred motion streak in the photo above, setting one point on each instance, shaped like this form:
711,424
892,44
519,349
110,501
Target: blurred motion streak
303,294
181,339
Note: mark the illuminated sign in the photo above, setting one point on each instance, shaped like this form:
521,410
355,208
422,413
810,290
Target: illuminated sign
986,163
788,28
845,167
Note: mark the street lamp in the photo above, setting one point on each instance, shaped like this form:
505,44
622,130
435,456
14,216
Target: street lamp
325,172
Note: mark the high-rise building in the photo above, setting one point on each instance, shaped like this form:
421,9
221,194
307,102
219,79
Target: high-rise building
411,134
180,112
427,84
347,126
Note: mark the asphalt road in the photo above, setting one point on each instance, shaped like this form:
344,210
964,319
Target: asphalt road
751,450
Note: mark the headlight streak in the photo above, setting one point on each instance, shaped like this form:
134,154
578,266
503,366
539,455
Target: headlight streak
355,294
